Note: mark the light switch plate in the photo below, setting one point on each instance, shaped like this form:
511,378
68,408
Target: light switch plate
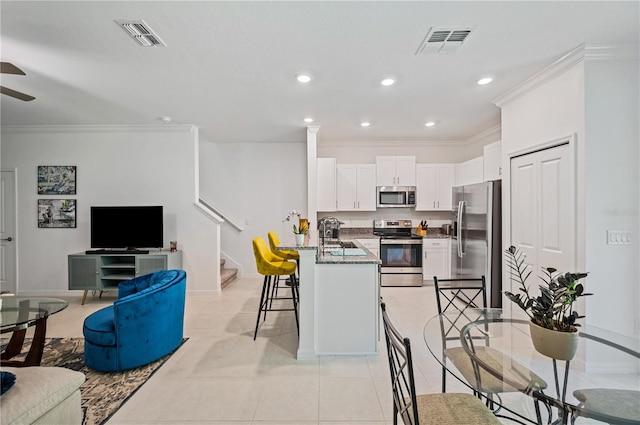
618,237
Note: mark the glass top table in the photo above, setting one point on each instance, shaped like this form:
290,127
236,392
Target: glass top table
605,370
19,313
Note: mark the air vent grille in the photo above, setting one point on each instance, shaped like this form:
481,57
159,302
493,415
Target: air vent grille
443,40
142,33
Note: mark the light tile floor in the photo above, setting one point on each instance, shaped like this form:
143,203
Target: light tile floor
222,376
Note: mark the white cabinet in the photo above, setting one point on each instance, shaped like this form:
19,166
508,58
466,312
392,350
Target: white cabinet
326,200
470,172
356,187
396,170
436,259
372,245
493,161
433,187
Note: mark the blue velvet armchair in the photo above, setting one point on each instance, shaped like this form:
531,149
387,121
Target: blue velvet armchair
143,324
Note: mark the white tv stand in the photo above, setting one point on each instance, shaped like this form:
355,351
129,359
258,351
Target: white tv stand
104,271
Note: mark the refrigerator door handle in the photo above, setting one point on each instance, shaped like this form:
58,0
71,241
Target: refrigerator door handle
459,233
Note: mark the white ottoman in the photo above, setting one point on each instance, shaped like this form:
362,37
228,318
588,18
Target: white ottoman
43,396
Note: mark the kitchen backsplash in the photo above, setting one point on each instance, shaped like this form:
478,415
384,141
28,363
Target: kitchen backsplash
358,219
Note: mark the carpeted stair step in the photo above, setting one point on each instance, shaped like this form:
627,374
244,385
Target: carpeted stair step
226,275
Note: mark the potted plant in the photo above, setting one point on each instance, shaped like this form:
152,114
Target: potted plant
553,323
300,230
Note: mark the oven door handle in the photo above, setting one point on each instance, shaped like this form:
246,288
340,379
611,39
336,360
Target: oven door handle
400,241
461,205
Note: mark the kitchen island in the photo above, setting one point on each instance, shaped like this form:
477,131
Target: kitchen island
339,300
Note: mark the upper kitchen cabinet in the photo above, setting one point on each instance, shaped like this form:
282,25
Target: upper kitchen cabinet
326,200
493,161
433,187
470,172
396,170
356,187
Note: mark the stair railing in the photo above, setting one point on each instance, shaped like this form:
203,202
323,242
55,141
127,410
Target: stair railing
210,208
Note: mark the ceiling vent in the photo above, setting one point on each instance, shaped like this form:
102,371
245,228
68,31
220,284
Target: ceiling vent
444,40
142,33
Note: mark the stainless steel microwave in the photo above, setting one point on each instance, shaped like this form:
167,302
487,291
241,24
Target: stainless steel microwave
395,196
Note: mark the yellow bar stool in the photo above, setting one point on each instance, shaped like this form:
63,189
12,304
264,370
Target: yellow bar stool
269,265
287,254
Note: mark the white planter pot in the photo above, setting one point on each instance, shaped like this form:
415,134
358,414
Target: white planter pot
555,344
299,239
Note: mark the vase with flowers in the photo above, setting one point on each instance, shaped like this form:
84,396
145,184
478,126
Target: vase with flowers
298,231
553,318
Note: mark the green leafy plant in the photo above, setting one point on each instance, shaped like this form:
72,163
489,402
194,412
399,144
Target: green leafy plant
301,230
553,308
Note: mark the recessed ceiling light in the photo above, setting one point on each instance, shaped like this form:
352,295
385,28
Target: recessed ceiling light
308,120
303,78
365,124
484,80
388,82
429,123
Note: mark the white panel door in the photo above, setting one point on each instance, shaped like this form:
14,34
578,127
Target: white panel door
542,211
7,232
556,212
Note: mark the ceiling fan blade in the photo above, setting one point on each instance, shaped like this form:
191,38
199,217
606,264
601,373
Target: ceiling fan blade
16,94
9,68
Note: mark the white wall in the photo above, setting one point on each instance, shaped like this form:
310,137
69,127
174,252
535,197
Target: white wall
116,165
597,99
255,185
611,199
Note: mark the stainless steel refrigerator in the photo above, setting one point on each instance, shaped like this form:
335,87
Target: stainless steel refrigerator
476,246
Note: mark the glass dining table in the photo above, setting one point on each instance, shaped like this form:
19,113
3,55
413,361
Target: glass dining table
17,314
600,384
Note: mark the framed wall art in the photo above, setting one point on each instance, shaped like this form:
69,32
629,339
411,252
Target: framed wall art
57,213
56,179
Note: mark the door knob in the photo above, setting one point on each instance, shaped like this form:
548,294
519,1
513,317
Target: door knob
9,239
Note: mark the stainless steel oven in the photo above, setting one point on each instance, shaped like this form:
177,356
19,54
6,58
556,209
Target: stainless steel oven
400,252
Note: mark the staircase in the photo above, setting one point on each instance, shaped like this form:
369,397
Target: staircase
226,275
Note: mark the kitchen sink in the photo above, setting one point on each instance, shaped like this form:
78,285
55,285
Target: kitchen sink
347,245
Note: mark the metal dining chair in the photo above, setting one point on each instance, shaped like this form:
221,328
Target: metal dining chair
425,409
461,296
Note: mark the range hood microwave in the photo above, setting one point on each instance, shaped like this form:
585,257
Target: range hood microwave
395,196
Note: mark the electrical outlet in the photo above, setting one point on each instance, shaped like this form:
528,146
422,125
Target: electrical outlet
618,237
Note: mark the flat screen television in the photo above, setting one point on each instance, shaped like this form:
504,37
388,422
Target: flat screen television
126,227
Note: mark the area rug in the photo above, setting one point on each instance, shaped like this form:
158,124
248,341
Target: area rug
102,393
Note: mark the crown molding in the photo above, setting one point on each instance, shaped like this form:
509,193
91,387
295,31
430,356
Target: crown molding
611,51
165,128
490,135
389,143
549,73
577,56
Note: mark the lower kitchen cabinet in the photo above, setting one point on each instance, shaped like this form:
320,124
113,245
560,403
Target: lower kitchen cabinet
436,259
